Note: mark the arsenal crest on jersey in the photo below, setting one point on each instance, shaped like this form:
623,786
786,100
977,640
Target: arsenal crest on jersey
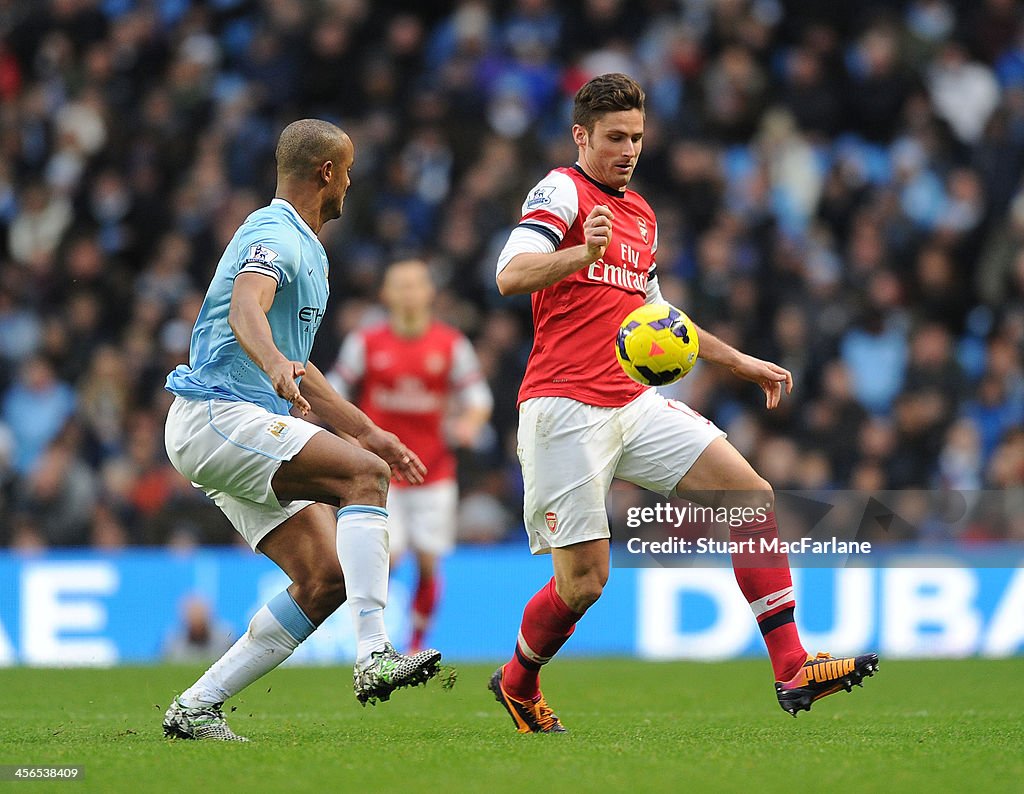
643,227
552,520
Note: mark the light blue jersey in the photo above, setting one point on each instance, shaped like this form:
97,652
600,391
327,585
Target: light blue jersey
274,241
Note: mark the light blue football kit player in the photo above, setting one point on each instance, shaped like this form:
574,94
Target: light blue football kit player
277,477
274,242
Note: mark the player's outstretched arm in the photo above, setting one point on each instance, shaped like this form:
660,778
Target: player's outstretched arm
345,417
251,298
770,377
529,272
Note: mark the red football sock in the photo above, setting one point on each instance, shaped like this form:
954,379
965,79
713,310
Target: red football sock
766,583
423,605
547,624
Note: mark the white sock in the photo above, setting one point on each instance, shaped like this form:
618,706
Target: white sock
274,632
363,552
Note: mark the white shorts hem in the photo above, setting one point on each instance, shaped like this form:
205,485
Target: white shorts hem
545,548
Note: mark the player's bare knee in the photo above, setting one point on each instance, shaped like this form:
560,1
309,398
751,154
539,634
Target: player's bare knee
369,486
584,592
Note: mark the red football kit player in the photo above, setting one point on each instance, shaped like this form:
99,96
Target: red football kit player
585,250
420,379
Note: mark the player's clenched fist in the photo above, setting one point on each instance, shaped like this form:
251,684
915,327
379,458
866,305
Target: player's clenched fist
597,231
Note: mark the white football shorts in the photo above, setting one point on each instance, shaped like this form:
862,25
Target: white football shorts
232,450
571,451
423,517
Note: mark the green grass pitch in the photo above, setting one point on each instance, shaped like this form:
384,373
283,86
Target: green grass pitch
634,726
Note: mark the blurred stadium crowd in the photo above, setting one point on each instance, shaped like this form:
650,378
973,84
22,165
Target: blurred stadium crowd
838,187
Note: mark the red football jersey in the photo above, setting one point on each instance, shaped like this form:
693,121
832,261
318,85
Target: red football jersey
576,319
404,385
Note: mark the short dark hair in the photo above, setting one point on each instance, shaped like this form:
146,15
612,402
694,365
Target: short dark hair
305,145
606,93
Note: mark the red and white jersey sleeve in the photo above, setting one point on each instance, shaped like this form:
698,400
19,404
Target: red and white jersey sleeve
547,215
466,380
576,319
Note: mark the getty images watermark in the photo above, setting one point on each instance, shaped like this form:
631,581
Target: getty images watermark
748,533
818,529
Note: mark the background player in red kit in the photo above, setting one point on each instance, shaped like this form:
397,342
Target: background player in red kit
415,373
585,248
